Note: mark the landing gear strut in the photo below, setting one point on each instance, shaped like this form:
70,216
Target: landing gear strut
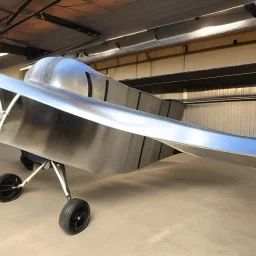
74,216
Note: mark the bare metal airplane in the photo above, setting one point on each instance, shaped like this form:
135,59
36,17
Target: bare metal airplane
68,114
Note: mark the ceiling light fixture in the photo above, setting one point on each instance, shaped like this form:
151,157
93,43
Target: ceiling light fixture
130,34
3,54
225,10
211,30
25,68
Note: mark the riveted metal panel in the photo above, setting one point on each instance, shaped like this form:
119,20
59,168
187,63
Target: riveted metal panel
134,146
150,147
112,140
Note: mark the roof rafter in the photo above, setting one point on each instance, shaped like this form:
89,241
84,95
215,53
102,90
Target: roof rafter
28,17
67,24
29,52
18,12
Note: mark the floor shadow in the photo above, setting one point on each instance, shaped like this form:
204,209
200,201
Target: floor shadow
153,181
172,176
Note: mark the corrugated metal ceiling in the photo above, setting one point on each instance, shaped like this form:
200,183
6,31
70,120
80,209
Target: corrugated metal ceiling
109,17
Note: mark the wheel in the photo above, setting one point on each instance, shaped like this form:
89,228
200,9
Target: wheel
74,216
26,162
7,181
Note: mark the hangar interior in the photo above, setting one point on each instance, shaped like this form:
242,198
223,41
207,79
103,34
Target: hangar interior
193,61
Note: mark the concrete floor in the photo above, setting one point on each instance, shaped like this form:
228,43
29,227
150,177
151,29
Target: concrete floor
179,206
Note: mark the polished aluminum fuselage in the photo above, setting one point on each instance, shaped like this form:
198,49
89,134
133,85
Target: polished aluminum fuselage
54,134
73,115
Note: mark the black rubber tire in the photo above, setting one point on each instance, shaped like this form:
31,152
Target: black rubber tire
74,216
9,179
26,162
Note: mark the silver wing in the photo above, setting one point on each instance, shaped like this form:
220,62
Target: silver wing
187,138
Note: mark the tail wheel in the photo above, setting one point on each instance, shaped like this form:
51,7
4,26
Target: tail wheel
9,187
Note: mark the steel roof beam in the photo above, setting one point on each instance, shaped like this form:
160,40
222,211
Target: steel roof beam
67,24
28,17
18,12
29,52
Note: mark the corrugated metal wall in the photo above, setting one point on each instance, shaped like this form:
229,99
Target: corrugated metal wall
232,56
204,93
236,117
165,61
233,117
238,55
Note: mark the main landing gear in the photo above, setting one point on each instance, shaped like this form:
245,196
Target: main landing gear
74,216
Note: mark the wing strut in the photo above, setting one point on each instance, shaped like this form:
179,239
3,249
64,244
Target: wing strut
5,113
